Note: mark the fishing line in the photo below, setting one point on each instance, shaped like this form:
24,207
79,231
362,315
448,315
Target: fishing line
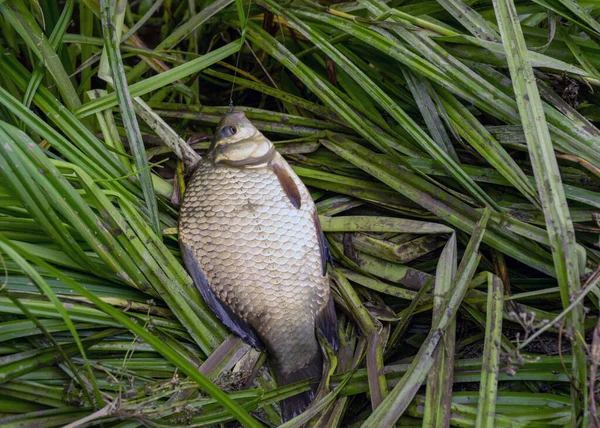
237,61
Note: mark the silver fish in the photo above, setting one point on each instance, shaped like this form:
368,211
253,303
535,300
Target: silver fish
251,239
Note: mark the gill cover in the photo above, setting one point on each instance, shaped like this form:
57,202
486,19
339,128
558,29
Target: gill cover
238,143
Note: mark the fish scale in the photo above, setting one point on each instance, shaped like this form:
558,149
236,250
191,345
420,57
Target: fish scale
259,253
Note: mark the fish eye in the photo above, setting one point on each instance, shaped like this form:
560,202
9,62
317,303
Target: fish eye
227,131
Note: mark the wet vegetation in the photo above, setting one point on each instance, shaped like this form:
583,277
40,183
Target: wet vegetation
451,148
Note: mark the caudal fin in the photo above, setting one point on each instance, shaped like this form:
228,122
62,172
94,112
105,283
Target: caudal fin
293,406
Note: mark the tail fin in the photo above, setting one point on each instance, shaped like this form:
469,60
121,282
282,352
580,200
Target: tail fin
293,406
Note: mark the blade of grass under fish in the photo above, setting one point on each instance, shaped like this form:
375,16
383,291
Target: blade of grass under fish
384,100
174,357
439,382
556,212
111,48
486,408
303,418
18,15
400,397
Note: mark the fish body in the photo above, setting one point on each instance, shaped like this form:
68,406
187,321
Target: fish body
251,239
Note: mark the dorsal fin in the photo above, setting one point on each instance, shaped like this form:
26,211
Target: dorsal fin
286,181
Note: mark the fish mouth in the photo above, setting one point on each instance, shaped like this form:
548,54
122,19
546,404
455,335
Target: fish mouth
221,157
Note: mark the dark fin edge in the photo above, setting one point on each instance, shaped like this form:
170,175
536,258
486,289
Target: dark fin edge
327,325
176,196
287,183
222,312
293,406
326,256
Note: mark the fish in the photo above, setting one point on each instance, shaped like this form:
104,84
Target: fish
251,240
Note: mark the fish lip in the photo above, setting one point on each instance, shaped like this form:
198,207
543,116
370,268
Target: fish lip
217,160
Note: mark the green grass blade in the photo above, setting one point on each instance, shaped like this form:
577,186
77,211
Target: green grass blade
170,354
125,101
321,88
437,201
488,390
180,33
400,397
545,167
438,397
56,44
19,16
471,20
159,81
385,101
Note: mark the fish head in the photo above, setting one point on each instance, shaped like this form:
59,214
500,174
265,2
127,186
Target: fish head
238,143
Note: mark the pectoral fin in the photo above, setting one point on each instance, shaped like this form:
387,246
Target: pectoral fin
223,313
287,182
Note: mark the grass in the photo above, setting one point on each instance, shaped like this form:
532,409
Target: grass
451,148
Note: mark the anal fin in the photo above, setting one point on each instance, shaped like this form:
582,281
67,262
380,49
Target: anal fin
327,324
